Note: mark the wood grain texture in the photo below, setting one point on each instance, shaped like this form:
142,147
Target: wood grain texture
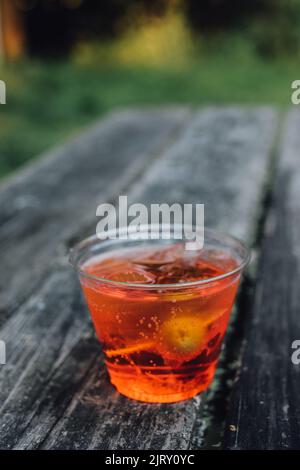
221,160
54,389
48,203
265,404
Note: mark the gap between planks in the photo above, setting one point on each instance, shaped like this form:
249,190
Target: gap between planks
265,407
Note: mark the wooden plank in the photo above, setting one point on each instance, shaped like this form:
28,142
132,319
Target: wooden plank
265,405
222,161
63,396
50,324
40,208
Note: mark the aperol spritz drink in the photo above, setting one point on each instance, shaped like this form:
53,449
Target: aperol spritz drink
161,314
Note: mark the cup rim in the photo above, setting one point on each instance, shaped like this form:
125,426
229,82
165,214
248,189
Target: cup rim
93,239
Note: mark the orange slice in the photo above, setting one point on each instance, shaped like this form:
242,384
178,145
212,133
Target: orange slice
209,315
183,337
129,349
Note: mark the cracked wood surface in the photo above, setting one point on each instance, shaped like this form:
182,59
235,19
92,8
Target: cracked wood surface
54,390
53,199
265,404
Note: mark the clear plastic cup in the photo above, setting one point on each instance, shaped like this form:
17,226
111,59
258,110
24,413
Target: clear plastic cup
160,311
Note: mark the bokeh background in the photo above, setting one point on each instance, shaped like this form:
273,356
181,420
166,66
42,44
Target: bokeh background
67,62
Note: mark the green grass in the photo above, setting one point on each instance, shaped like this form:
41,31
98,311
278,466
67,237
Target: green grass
47,102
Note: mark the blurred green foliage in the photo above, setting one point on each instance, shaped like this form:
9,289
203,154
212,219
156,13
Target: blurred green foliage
276,30
48,102
158,61
272,26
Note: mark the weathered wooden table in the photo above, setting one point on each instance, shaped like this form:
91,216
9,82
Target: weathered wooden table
244,165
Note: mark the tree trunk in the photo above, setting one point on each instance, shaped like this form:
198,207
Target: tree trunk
12,38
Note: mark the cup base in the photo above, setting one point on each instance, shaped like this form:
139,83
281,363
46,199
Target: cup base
140,395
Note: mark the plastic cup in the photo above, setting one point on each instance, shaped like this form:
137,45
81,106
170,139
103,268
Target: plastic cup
161,340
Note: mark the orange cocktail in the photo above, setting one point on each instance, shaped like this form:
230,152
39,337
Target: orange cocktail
161,311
